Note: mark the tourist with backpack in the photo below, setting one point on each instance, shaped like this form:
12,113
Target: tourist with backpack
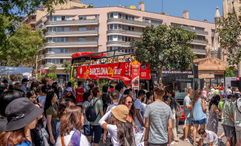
93,114
70,125
237,118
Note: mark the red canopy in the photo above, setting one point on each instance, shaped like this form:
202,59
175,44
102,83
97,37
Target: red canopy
88,54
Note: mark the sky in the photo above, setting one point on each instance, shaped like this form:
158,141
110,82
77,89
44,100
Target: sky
198,9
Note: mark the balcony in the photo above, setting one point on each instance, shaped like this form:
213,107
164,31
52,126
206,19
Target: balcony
199,51
72,22
46,66
126,33
199,42
198,32
129,22
119,43
72,33
57,55
71,44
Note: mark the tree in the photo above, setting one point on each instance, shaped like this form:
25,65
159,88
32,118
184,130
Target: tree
12,12
165,47
22,46
229,31
53,76
52,69
229,73
66,66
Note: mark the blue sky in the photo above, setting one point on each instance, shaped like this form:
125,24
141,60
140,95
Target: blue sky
198,9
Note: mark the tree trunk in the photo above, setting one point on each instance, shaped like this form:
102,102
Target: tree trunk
159,76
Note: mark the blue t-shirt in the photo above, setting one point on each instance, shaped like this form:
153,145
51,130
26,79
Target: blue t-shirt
187,102
27,143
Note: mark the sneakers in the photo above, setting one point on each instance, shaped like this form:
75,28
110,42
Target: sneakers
187,140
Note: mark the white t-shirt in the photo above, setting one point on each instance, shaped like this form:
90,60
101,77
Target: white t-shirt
112,130
211,137
83,140
139,105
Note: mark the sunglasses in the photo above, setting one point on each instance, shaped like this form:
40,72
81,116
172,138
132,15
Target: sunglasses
130,102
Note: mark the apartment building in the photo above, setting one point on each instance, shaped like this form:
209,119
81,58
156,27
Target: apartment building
72,30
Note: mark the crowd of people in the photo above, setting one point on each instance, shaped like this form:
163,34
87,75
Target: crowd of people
223,105
44,114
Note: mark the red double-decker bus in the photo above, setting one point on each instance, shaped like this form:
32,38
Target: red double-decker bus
88,65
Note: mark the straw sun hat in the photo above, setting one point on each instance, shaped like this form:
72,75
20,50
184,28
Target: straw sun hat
120,112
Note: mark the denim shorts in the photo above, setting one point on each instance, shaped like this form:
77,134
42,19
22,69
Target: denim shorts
200,122
96,131
87,130
188,121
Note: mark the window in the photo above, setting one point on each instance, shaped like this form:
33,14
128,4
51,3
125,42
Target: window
157,22
82,39
56,61
82,17
58,50
60,39
96,39
199,28
82,28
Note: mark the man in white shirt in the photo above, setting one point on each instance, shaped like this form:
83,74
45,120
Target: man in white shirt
208,137
229,91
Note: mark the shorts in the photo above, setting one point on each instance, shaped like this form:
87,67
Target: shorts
238,134
229,131
96,131
188,121
87,130
200,122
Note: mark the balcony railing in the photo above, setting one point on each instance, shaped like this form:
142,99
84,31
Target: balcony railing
127,32
72,33
199,32
203,42
133,22
71,44
50,64
198,51
73,22
58,55
119,43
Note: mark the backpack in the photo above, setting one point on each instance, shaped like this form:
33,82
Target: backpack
90,112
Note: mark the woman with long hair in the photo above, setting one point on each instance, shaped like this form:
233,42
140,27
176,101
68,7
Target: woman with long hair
214,113
50,111
198,113
71,123
22,116
128,101
121,134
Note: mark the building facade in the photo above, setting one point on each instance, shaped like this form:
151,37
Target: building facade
72,30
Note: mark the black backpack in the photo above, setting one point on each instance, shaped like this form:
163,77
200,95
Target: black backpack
90,112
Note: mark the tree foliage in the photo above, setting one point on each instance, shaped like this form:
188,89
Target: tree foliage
229,72
53,76
52,69
12,12
165,47
66,66
229,33
22,46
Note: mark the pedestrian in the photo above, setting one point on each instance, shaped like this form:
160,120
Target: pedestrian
120,132
149,97
139,110
31,95
214,114
158,124
209,137
50,111
22,115
204,93
79,93
87,127
237,118
227,120
119,87
187,113
129,102
198,113
105,97
69,95
98,106
41,90
70,124
24,87
114,99
229,91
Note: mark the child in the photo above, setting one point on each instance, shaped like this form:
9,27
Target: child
209,137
